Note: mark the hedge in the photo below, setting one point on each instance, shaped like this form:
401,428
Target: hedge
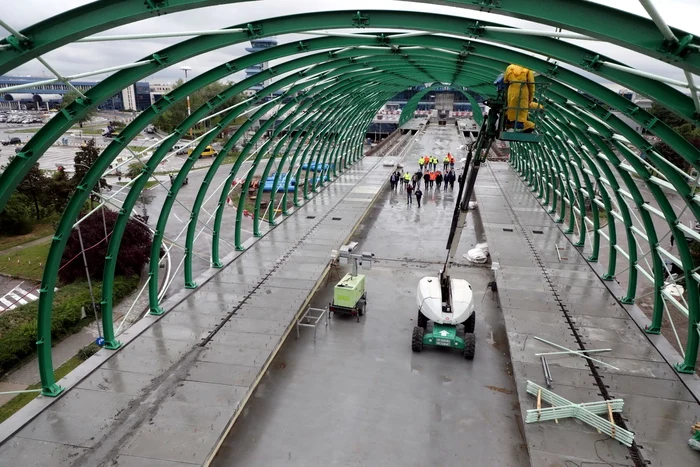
18,327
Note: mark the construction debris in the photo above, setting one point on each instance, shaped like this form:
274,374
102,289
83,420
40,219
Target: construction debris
694,442
479,254
580,353
547,374
588,413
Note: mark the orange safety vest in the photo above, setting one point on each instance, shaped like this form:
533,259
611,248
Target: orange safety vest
433,176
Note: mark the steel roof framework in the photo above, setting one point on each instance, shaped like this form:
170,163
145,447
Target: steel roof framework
343,85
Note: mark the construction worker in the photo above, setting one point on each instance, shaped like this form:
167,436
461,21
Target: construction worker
521,93
438,179
452,161
407,178
417,178
435,163
433,176
409,194
427,163
445,163
426,179
421,161
419,195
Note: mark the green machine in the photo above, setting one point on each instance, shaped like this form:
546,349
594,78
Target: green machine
349,290
349,294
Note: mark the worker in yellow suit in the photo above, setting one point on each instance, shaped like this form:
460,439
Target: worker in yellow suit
521,93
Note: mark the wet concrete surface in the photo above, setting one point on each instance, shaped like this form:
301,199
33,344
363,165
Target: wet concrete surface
167,395
358,395
538,290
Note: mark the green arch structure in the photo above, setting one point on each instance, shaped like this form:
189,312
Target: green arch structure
336,84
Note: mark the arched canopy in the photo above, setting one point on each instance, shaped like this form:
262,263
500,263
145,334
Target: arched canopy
332,87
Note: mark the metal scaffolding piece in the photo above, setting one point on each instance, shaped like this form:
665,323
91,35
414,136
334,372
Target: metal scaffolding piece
587,412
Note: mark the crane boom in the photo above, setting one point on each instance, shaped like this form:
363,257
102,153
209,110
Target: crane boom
475,157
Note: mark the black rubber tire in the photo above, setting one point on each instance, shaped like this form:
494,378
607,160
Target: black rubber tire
469,346
470,324
361,307
417,340
422,320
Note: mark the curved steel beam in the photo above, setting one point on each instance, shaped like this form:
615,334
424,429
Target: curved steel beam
298,23
52,130
598,21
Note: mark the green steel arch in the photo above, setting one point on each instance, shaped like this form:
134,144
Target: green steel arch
601,22
587,126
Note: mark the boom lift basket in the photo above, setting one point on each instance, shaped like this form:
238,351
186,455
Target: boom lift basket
517,129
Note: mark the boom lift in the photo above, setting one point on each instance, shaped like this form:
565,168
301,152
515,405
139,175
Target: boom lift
445,301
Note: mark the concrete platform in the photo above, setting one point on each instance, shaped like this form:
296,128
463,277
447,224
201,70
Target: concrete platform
358,395
536,288
169,394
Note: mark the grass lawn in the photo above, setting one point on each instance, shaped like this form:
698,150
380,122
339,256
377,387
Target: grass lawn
25,130
139,148
90,131
27,263
40,230
19,401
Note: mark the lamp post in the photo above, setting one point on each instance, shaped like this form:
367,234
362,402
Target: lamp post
186,68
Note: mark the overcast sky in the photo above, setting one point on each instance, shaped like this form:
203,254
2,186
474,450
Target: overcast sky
78,58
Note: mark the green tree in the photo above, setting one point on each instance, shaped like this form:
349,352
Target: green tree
84,159
172,117
16,219
34,186
68,99
687,130
61,188
135,169
665,115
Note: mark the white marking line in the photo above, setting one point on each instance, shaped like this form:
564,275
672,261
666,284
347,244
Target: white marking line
17,298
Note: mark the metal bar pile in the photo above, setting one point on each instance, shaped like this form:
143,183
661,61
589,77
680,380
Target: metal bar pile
587,412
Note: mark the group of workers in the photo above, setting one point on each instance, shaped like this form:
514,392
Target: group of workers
430,179
430,163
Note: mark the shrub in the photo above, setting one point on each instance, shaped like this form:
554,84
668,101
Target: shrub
88,351
133,255
18,327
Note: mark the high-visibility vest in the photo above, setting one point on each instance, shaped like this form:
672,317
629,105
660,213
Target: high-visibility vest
435,160
421,161
407,176
446,159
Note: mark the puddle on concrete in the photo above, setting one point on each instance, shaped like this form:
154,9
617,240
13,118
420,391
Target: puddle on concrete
501,390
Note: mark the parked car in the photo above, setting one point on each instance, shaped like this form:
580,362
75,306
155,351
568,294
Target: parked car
11,141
